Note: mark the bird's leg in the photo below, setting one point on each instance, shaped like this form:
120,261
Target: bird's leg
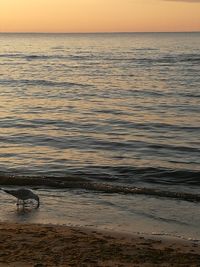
25,203
23,207
18,202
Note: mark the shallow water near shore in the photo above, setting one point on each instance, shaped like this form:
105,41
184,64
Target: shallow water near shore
120,213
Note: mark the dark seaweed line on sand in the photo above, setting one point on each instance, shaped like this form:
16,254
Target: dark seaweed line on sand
79,183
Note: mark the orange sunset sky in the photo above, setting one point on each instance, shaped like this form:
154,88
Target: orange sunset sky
99,15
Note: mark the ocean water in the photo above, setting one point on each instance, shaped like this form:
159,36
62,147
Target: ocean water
106,122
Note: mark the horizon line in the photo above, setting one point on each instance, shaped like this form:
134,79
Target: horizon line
103,32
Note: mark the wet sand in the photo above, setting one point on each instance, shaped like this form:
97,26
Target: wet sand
52,245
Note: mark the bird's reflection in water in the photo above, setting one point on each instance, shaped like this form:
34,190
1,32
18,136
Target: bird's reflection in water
25,213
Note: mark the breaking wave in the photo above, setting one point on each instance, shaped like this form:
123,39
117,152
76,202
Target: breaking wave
82,183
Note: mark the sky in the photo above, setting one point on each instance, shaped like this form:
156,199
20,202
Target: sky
99,15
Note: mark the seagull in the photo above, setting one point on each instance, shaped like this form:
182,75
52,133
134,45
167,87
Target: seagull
23,194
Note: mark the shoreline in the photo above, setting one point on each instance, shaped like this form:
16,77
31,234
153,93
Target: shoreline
44,245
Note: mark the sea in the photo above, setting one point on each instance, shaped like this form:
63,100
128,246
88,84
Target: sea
105,128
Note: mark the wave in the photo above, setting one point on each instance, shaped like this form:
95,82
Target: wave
12,55
149,175
29,57
36,82
83,183
83,143
155,59
44,57
134,58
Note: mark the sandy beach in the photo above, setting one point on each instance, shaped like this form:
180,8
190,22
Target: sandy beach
52,245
